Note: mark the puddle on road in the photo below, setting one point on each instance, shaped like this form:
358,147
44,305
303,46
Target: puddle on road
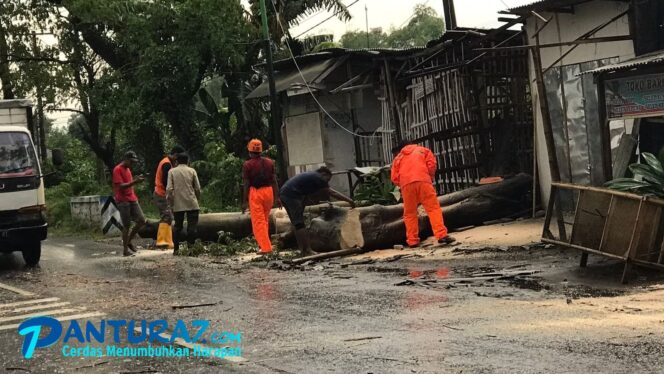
414,299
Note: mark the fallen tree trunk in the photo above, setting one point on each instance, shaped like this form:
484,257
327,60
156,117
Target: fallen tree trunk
381,226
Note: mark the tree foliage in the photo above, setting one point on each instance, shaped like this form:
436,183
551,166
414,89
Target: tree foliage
145,75
358,39
425,25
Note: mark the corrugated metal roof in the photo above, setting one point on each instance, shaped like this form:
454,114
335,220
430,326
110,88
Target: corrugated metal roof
543,5
285,80
647,59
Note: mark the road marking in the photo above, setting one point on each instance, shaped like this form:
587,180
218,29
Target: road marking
47,313
28,302
37,307
181,342
61,319
16,290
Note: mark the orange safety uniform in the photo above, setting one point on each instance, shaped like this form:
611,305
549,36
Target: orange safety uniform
159,186
413,170
259,174
261,201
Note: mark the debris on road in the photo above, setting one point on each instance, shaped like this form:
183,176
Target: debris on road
323,256
192,305
91,366
365,338
475,277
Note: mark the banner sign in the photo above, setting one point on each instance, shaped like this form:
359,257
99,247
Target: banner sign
633,97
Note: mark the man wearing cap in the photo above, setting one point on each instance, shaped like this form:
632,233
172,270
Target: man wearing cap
125,197
259,192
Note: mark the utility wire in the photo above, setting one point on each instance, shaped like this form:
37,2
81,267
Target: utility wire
306,84
319,23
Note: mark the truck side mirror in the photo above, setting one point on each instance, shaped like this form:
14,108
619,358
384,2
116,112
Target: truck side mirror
58,157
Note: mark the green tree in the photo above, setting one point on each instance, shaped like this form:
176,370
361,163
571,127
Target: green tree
325,45
358,39
162,51
425,26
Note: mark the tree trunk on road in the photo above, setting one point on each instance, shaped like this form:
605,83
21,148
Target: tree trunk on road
382,226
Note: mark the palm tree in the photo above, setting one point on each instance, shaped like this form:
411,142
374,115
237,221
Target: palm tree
292,12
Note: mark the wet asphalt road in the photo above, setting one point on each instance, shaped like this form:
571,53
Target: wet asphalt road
334,318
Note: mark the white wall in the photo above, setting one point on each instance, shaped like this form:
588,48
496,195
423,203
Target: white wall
338,144
568,27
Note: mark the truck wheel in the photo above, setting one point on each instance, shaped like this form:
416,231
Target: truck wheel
32,253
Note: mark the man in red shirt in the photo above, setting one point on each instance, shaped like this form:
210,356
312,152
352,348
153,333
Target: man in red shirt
130,210
413,170
260,192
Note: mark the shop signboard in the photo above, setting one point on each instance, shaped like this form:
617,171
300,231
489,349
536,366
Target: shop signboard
635,97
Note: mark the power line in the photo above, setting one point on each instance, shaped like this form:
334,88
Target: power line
319,23
306,84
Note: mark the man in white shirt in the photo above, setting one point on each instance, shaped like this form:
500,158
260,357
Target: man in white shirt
183,191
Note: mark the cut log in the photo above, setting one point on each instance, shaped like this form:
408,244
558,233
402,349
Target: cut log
381,226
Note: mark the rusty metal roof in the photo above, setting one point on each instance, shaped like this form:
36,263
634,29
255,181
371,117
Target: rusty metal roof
647,59
544,5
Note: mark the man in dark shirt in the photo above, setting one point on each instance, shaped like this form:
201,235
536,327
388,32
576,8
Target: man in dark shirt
296,190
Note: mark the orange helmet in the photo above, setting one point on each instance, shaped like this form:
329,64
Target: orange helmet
255,146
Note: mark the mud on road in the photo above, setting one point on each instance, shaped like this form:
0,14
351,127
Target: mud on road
498,305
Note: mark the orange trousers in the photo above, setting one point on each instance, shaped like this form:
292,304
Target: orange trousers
261,201
413,195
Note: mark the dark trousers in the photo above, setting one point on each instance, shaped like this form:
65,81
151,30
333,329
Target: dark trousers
192,223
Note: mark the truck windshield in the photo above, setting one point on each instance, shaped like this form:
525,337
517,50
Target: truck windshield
17,155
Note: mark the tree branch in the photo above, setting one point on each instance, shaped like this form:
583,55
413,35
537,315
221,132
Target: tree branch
18,58
51,109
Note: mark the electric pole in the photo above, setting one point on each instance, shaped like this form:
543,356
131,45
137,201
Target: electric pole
40,133
275,118
366,16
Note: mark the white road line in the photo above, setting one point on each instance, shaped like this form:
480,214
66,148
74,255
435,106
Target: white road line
28,302
181,342
64,318
16,290
45,313
36,307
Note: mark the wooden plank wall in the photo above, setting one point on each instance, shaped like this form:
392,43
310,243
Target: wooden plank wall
459,113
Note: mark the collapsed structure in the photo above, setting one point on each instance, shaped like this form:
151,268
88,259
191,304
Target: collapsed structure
348,108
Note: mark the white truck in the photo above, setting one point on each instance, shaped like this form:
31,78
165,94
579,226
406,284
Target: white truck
22,204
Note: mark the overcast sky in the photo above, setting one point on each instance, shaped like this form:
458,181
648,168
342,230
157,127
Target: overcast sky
394,13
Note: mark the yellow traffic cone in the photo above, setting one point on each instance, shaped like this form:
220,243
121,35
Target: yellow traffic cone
165,236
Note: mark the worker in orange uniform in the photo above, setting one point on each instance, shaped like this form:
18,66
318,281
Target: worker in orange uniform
164,234
413,170
259,192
